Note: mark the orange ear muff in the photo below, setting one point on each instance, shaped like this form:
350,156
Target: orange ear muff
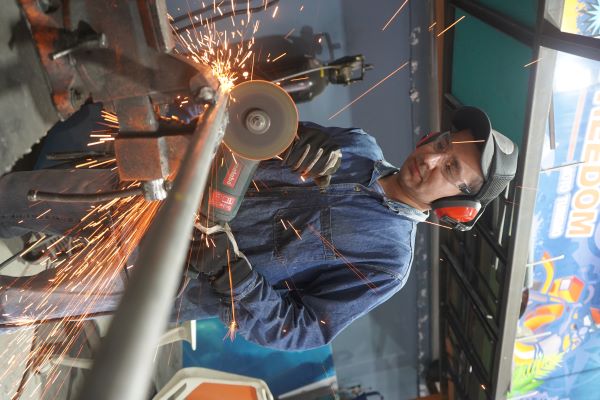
459,210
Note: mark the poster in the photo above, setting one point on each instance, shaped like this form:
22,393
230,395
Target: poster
581,17
557,351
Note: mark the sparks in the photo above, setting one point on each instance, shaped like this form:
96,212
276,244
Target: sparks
526,188
28,249
369,90
467,141
545,260
233,324
558,167
531,63
451,25
394,16
278,57
44,213
440,225
87,163
354,269
91,272
296,231
287,35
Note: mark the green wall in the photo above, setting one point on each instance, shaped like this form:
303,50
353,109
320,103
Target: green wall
488,72
522,11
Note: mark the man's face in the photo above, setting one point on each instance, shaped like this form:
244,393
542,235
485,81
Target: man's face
429,174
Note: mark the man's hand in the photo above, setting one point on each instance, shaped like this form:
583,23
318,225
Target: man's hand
314,154
209,256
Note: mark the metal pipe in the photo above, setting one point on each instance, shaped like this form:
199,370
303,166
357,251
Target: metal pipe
38,195
308,71
124,364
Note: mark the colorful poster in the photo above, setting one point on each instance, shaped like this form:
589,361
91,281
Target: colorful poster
581,17
557,351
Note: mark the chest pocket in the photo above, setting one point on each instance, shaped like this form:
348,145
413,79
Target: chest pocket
302,234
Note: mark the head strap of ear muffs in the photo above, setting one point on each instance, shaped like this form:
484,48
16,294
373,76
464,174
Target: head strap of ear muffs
460,212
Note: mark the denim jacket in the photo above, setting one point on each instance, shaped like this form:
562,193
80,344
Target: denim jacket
321,257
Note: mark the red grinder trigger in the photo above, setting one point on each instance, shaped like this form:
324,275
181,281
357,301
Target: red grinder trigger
263,120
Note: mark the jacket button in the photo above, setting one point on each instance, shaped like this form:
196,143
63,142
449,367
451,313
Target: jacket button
356,188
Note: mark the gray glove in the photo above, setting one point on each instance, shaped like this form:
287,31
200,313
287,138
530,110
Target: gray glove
314,154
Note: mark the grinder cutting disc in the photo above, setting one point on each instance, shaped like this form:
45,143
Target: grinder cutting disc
262,120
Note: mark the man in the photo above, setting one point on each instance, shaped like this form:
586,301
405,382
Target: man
320,256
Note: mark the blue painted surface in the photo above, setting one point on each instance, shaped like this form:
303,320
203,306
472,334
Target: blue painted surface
283,371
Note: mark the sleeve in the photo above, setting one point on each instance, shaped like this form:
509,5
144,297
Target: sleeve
312,316
353,140
335,132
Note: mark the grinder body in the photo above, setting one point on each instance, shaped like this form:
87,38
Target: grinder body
231,175
263,120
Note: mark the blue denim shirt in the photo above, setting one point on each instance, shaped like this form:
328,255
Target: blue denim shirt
321,257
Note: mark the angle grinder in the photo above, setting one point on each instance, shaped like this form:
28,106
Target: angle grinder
263,120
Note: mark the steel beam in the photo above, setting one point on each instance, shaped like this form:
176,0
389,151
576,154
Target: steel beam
527,176
125,361
582,46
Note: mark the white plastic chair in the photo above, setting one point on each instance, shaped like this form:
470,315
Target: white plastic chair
208,384
185,331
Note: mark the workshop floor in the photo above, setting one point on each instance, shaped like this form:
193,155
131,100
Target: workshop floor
16,346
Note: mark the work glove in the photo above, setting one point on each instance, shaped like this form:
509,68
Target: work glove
208,257
314,154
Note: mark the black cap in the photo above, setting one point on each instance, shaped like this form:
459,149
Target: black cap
498,157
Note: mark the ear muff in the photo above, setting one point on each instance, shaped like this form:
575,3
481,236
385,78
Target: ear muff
456,209
428,138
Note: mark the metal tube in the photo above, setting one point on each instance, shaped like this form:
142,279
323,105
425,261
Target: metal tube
38,195
124,364
308,71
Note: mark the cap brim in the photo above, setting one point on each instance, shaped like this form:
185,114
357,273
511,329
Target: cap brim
479,124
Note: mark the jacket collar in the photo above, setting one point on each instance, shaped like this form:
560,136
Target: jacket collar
382,169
